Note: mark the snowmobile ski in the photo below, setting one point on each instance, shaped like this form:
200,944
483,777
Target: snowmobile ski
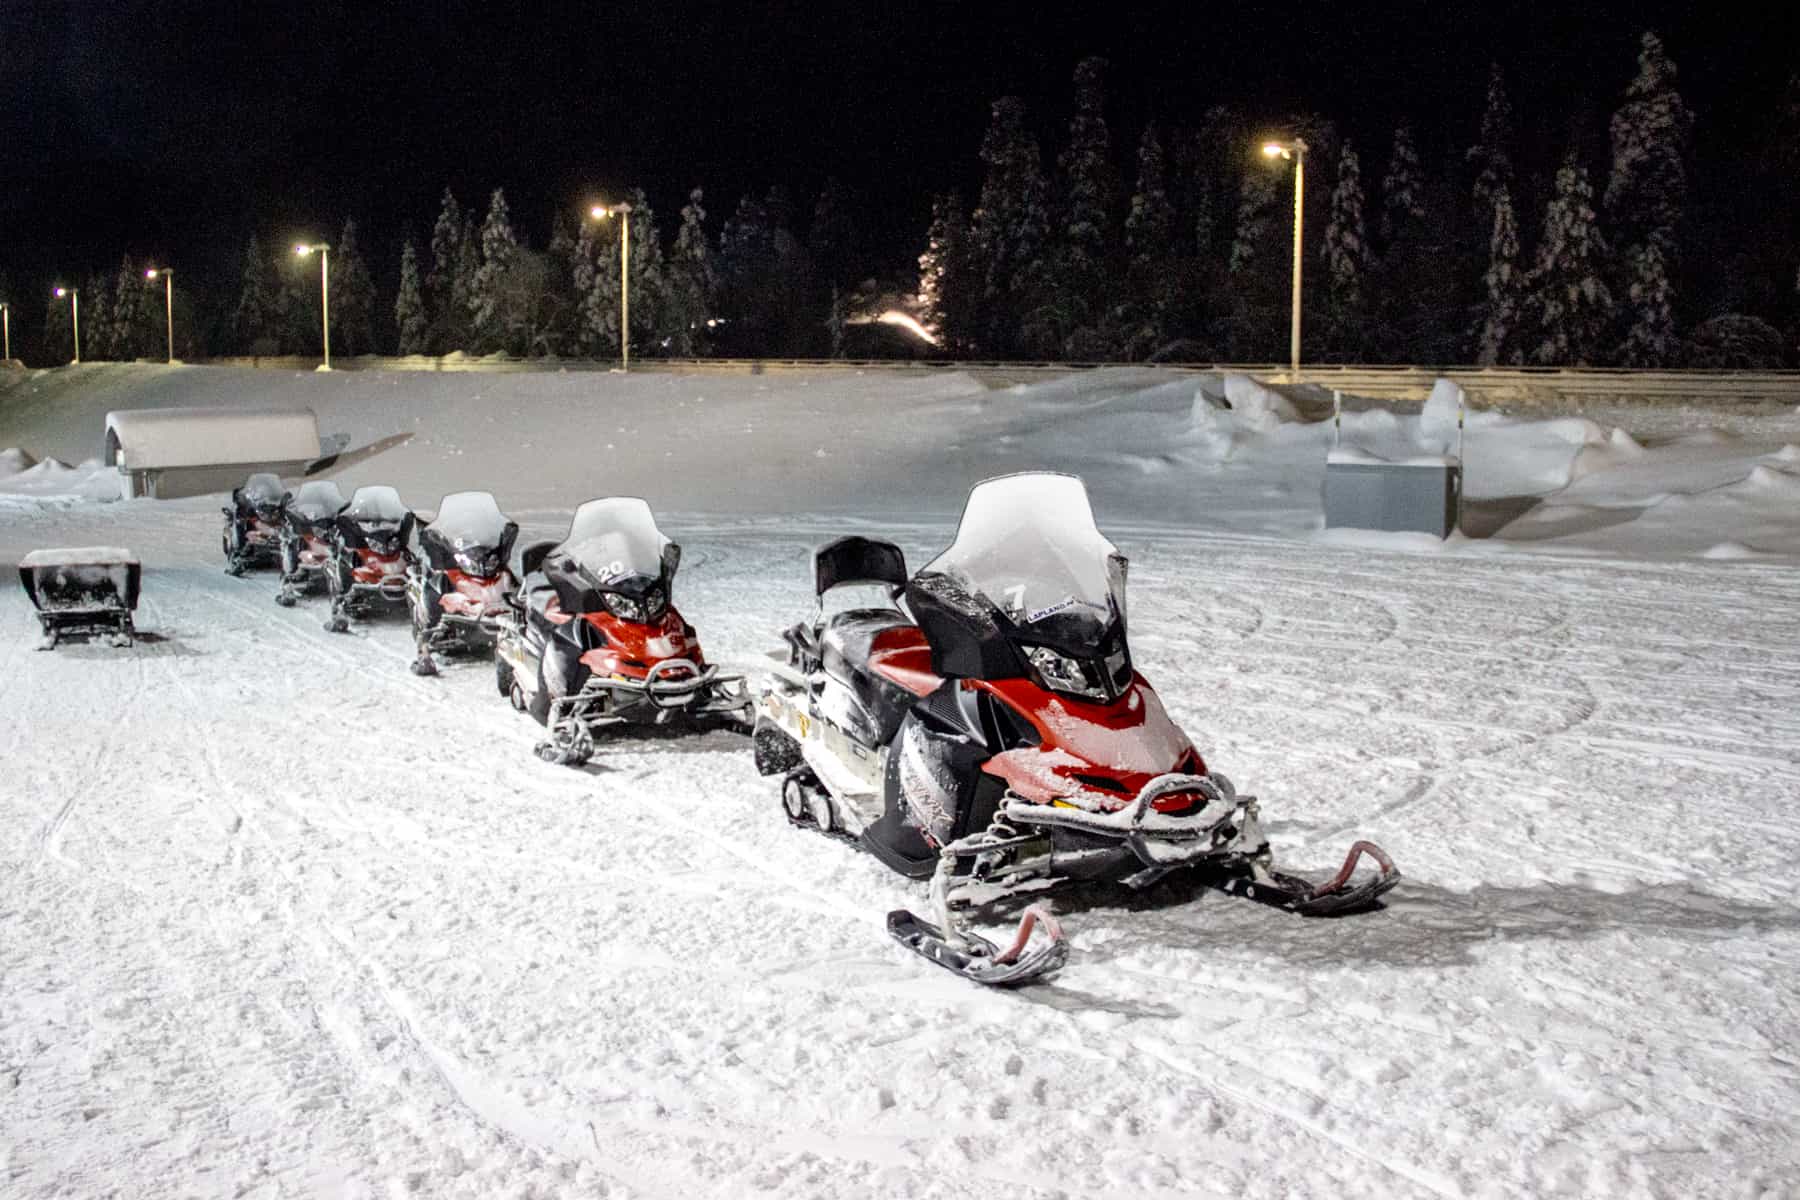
974,957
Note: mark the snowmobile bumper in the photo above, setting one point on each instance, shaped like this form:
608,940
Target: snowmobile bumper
1222,823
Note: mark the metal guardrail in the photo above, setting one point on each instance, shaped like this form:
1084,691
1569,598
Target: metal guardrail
1528,386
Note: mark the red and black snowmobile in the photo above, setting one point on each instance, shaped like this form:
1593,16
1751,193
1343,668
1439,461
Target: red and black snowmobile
308,527
371,553
593,640
995,738
252,536
463,586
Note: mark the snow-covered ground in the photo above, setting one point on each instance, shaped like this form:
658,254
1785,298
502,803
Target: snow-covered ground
278,918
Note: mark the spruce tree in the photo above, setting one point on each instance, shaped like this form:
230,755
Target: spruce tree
252,322
1568,304
1401,188
1082,282
650,318
1647,188
693,281
1496,341
459,320
1150,242
947,292
1009,226
590,303
831,239
128,327
352,297
446,242
1651,340
1346,249
409,304
97,336
1490,155
59,338
489,318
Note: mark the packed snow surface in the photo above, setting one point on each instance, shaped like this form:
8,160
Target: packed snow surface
278,918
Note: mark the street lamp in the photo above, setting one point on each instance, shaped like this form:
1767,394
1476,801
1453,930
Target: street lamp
622,211
1295,150
74,295
303,249
6,331
168,278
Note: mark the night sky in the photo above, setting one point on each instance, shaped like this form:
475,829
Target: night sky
171,130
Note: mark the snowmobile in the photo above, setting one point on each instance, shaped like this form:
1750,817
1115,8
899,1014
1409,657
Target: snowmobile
982,726
371,554
308,525
83,592
252,536
460,590
592,640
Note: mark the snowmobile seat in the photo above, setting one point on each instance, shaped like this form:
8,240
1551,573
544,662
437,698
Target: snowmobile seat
847,648
857,560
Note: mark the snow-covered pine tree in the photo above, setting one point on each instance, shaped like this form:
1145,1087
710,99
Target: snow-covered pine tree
253,321
458,319
1647,188
1346,248
127,327
1150,241
1257,201
1082,281
96,317
352,296
1651,340
590,324
1402,187
446,240
489,319
693,281
297,307
946,291
1496,342
1009,227
650,324
1568,304
409,304
1491,155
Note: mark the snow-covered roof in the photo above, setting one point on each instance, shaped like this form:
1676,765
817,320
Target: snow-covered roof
79,556
152,438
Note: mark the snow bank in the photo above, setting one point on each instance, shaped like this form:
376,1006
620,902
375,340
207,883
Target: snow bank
14,460
1254,407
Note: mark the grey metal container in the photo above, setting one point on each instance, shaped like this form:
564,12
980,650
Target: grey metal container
1423,497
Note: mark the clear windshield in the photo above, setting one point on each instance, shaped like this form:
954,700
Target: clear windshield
616,539
1028,545
469,519
263,489
316,500
376,502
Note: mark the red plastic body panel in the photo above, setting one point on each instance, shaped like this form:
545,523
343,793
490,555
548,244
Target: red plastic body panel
901,656
371,567
633,647
1124,744
474,595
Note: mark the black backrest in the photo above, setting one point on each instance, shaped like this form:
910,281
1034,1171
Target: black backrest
853,559
532,557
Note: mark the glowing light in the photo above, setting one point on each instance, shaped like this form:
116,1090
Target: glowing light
906,321
61,292
1275,150
599,212
152,273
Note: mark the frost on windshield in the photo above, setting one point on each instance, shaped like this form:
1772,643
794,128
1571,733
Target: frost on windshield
616,538
317,499
469,519
263,488
1029,545
376,502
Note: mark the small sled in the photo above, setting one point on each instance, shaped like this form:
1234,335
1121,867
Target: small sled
85,592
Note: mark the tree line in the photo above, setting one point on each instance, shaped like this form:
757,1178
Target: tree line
1606,255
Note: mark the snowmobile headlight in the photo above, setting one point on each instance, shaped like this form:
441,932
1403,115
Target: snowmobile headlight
1060,673
624,607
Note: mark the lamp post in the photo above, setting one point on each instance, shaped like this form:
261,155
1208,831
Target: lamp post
168,278
622,211
1295,150
304,249
6,331
74,295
